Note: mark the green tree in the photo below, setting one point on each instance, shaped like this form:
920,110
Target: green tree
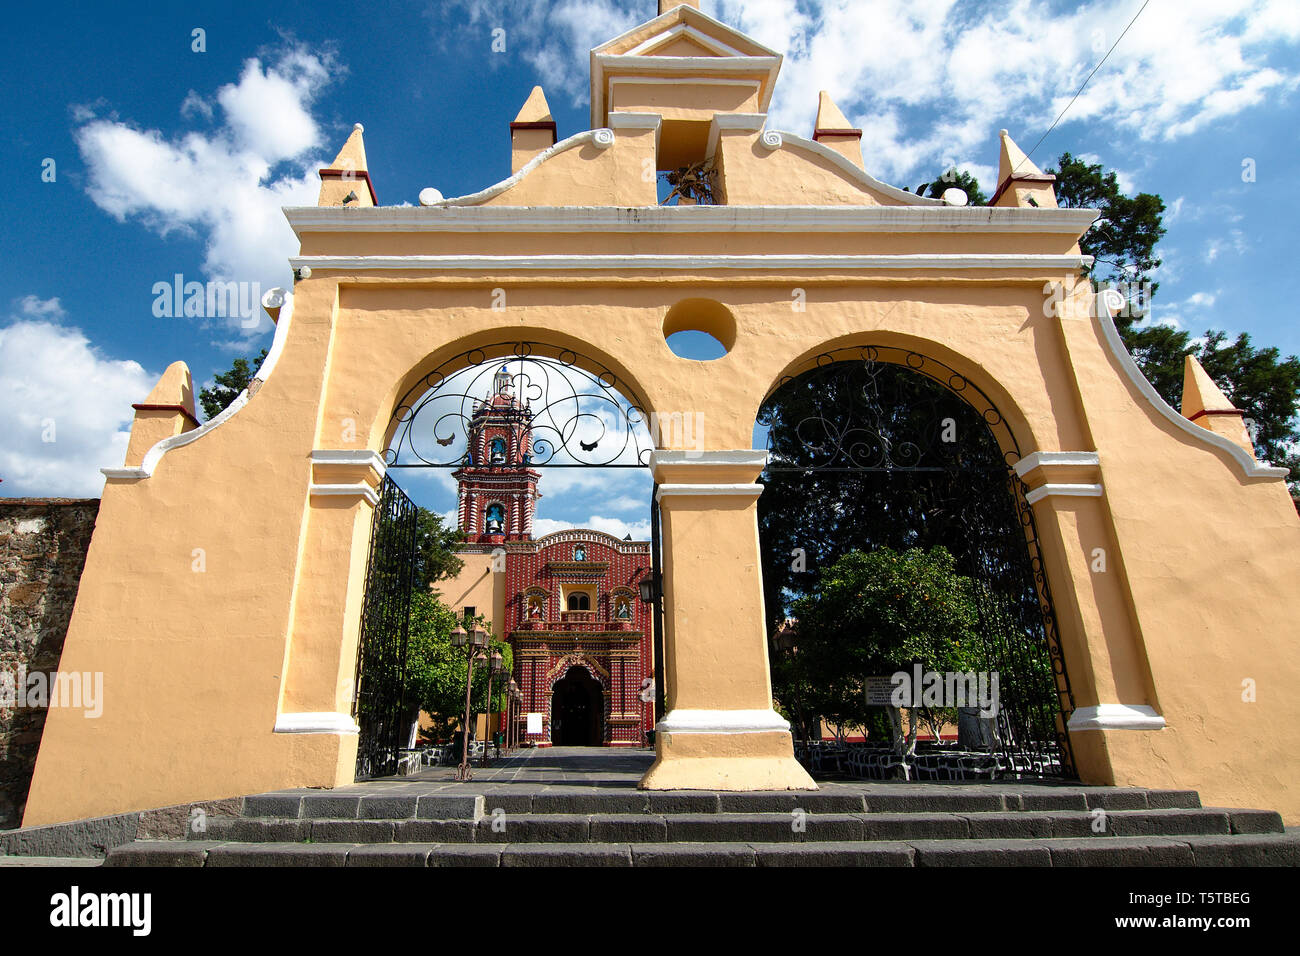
873,614
435,555
1123,241
228,385
1265,386
435,668
955,179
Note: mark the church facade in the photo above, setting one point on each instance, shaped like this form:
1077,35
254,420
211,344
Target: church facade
567,602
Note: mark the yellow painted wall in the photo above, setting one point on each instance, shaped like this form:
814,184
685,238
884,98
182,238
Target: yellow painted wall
1199,593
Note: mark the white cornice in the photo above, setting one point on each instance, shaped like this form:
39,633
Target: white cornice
603,138
850,169
680,721
730,490
348,456
326,722
155,454
359,489
1249,465
1064,491
601,62
1057,264
1056,458
1116,717
453,215
743,456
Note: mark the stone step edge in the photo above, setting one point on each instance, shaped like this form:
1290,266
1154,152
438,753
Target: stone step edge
650,828
1274,849
442,806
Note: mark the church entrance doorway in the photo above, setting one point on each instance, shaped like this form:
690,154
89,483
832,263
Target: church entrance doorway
577,710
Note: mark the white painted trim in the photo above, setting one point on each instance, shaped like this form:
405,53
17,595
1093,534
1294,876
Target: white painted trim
736,490
1116,717
675,32
593,136
688,263
621,120
680,721
155,454
357,488
1063,490
854,173
691,65
742,456
1059,458
325,722
672,15
692,219
1249,465
600,60
347,456
743,122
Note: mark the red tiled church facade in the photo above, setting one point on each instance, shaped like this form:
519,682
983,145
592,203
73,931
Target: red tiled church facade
571,597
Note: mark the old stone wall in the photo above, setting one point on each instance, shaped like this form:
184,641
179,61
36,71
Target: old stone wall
43,544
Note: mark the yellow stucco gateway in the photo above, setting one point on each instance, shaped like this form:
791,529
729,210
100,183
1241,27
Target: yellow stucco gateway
222,593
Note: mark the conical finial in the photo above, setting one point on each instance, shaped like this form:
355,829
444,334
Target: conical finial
347,174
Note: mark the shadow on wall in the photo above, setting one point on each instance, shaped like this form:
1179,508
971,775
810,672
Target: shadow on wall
43,543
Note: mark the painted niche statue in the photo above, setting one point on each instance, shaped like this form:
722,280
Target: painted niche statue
579,553
622,611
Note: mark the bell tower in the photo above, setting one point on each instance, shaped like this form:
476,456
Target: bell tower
497,488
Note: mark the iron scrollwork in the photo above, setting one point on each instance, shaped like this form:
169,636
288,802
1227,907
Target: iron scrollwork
857,430
577,413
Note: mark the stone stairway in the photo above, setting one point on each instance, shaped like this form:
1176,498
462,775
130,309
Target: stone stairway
436,824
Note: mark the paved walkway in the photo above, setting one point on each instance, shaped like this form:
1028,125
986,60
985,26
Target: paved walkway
543,769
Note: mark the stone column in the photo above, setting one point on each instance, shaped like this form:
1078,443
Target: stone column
720,731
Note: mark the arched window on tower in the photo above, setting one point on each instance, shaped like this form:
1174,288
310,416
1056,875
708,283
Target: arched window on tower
498,455
496,519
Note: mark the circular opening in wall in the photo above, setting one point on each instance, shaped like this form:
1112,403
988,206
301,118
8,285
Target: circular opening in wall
700,329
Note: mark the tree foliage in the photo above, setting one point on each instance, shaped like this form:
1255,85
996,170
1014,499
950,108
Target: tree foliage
435,668
228,385
1123,243
872,614
435,554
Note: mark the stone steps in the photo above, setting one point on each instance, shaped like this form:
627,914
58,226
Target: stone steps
744,827
385,824
1273,849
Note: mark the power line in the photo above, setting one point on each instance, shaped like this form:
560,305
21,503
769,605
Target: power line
1085,83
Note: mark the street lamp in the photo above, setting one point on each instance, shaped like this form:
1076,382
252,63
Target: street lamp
649,588
472,642
511,725
493,671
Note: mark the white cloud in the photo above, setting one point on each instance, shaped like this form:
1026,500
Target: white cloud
225,185
930,84
552,37
639,530
65,408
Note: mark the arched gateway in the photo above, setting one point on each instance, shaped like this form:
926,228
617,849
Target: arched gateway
223,590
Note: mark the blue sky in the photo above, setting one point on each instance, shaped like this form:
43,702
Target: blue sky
169,161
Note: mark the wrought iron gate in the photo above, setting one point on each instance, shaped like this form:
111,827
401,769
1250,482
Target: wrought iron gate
884,447
379,704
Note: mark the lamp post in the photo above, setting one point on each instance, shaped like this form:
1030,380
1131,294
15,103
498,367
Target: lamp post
493,671
651,592
512,727
472,642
